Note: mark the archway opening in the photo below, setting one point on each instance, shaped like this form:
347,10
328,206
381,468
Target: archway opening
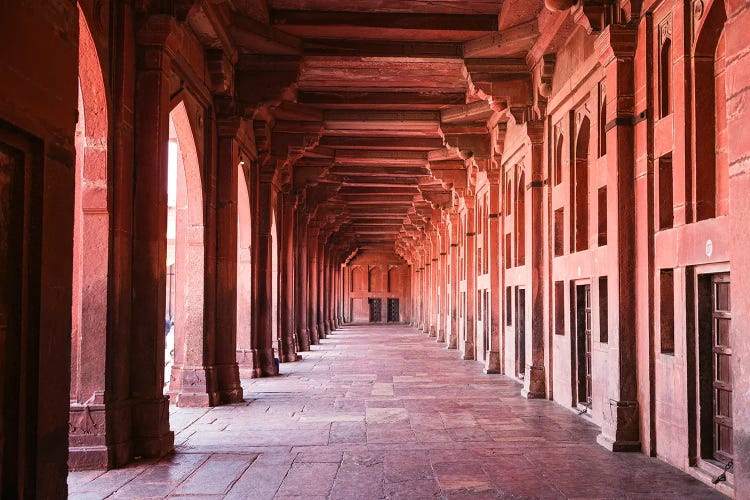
244,263
90,257
185,254
276,338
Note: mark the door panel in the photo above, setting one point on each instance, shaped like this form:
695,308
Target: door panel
722,368
520,332
11,251
583,344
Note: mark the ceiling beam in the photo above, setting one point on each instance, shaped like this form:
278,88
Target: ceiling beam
391,20
405,100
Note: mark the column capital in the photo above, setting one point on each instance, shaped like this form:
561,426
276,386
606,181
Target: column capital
161,31
616,42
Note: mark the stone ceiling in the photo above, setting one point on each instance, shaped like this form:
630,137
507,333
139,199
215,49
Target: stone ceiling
389,107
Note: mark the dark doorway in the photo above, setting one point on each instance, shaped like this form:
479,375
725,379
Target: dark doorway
715,351
18,348
393,313
520,332
375,310
583,344
11,213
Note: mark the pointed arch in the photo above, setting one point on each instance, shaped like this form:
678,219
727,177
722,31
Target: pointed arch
91,225
711,164
244,259
187,216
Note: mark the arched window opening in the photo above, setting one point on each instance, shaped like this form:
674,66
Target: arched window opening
521,221
711,163
581,212
665,78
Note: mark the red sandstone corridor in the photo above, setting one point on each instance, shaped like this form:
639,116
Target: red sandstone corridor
197,196
384,412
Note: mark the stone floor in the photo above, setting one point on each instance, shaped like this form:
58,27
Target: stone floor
384,412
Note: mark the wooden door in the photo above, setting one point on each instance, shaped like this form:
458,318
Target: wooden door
583,343
520,332
722,368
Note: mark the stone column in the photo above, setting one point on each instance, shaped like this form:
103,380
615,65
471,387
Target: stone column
443,325
331,292
301,281
262,312
534,382
312,309
434,271
467,349
620,427
495,354
151,436
322,330
452,337
346,276
288,352
227,370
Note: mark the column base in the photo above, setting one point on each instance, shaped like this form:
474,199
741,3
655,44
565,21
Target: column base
303,337
88,435
322,331
534,383
290,358
622,433
440,335
230,388
150,423
467,353
492,364
314,336
451,342
193,386
432,331
247,361
268,367
634,446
